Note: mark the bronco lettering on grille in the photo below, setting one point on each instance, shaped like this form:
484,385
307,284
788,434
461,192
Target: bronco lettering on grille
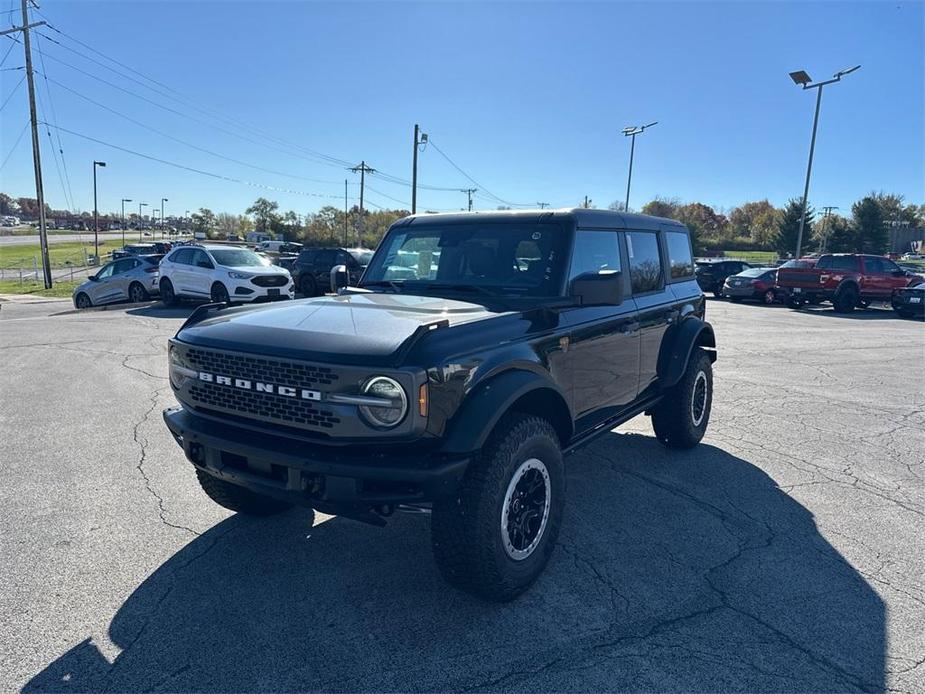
246,384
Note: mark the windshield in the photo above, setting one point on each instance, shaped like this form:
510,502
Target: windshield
362,257
498,258
238,257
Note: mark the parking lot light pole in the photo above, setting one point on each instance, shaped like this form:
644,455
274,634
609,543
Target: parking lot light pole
96,215
140,225
163,200
631,132
802,79
124,200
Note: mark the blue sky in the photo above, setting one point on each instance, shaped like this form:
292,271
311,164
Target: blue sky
527,98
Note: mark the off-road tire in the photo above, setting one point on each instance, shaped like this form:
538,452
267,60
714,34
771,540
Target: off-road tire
794,303
845,300
239,499
168,296
219,294
675,419
466,528
82,301
137,293
307,286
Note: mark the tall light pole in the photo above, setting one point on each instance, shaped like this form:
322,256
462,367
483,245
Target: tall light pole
96,215
163,200
419,139
140,224
124,200
631,132
804,80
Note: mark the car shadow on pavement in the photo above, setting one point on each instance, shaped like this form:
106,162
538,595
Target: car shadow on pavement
159,310
871,313
677,571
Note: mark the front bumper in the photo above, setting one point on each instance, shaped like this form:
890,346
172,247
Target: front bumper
335,480
747,292
244,291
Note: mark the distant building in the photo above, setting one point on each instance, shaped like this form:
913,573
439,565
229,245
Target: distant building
907,239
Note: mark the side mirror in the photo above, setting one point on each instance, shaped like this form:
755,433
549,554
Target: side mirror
899,273
338,277
93,278
598,288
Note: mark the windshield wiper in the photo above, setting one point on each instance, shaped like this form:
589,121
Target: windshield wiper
462,288
394,286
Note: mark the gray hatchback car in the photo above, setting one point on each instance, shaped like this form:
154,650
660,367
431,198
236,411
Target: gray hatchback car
134,279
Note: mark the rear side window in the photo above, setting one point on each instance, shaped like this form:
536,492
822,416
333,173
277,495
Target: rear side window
645,262
837,262
182,257
595,251
306,256
680,262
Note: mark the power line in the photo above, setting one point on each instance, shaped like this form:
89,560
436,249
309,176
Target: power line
478,185
54,154
192,169
13,92
15,145
389,197
54,116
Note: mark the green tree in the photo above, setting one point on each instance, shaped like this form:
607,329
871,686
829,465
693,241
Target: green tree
871,235
204,222
755,220
788,228
265,215
662,207
703,221
836,235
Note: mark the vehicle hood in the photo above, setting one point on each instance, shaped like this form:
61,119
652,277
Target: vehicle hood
363,328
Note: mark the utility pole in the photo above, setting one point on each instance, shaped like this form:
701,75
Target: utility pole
96,215
419,139
469,192
124,200
587,203
363,169
542,205
36,153
827,210
163,200
345,211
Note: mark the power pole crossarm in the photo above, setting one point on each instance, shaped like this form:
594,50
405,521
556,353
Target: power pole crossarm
363,169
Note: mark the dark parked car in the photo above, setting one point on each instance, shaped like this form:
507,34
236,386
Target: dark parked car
712,274
155,248
311,270
754,284
457,389
910,301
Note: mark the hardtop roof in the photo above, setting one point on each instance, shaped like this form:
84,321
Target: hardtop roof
581,216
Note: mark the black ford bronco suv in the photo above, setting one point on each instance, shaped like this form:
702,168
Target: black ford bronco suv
477,351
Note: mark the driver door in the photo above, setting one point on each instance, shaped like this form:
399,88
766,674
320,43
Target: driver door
103,290
201,274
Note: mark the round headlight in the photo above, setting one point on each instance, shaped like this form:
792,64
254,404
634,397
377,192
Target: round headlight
387,389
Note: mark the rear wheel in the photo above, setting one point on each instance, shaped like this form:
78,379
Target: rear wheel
220,294
769,297
239,499
718,293
494,536
680,419
168,296
307,286
83,301
845,300
137,293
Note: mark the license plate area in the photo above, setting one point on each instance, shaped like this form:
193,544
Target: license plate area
797,290
915,300
273,292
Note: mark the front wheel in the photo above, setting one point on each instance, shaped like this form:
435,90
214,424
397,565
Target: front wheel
495,535
718,293
137,293
680,419
83,301
219,294
168,296
307,286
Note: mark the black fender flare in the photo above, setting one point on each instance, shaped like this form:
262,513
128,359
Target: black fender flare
690,333
487,403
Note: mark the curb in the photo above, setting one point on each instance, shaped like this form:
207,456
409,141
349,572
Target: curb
107,307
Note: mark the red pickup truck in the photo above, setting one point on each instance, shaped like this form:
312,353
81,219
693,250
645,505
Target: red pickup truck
847,280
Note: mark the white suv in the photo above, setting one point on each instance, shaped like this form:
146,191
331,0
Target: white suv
222,274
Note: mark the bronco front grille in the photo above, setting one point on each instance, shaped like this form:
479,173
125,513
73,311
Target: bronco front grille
260,405
260,368
270,280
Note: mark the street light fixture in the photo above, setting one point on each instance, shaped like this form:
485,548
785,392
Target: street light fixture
96,215
802,79
631,132
124,200
140,224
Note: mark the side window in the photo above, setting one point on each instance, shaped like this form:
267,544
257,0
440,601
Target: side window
680,262
645,262
105,272
889,266
769,276
874,266
595,251
200,259
824,263
325,259
182,257
340,258
844,262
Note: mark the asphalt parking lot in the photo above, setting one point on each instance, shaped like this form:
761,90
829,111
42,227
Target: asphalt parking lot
786,553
